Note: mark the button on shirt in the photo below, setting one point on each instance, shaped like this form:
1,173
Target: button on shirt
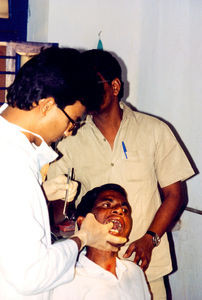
29,265
93,282
153,156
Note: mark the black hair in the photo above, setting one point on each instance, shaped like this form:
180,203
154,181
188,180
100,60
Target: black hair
95,62
51,73
88,200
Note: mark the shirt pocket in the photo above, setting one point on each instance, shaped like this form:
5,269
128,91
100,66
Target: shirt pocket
138,167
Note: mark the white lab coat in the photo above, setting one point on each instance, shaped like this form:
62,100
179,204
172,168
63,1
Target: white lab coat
30,267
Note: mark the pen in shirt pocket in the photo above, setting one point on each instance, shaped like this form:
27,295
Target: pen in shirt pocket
124,149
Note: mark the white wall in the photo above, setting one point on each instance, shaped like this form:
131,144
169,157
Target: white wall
170,86
38,13
78,23
160,43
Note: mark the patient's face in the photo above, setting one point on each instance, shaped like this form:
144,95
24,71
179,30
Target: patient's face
111,206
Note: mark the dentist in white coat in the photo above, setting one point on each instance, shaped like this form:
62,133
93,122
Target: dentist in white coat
43,105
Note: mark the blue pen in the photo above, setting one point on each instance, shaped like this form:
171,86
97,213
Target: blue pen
124,150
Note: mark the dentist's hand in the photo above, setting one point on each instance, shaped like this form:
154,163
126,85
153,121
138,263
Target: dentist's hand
56,188
95,234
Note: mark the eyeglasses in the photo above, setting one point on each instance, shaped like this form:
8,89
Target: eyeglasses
75,124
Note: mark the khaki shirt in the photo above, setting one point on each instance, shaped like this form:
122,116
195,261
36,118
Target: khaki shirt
153,156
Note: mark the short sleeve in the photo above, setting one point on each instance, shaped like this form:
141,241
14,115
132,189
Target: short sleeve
171,163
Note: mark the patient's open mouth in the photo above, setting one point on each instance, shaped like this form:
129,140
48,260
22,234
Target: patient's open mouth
117,226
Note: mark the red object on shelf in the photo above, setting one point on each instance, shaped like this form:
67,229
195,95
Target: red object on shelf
67,225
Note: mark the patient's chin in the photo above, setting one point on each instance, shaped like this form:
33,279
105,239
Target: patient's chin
117,245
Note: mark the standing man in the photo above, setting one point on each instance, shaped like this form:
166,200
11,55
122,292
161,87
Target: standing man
136,151
42,107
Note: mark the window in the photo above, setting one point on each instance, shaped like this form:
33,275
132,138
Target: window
4,9
12,56
13,20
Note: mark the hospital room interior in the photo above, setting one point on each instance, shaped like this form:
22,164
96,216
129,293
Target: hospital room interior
159,47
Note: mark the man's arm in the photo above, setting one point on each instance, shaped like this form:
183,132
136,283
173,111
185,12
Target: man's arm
164,217
57,169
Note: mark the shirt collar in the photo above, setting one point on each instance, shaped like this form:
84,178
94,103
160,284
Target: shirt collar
85,265
43,152
126,113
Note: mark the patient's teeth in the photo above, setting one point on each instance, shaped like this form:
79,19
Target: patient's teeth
117,226
114,230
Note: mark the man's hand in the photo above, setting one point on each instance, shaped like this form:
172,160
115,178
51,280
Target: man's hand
56,188
143,249
163,218
96,235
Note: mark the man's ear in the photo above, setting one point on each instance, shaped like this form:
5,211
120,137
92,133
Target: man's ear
116,86
46,104
79,221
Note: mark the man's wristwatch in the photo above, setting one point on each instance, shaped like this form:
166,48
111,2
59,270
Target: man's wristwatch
155,238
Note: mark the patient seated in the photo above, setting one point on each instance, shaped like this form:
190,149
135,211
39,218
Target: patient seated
100,274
